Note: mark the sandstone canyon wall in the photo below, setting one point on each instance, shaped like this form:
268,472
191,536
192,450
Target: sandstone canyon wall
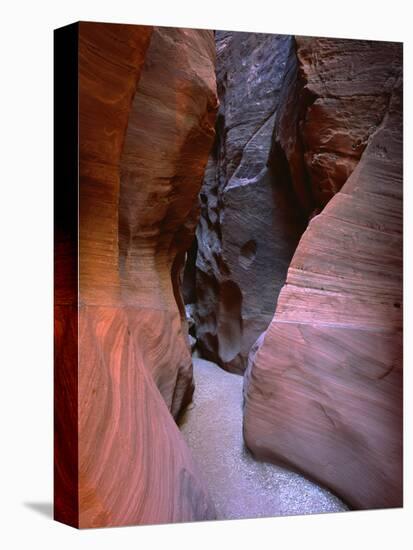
250,218
335,95
323,389
295,117
147,102
304,177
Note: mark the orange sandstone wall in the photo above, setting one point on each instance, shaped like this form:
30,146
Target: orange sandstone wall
147,104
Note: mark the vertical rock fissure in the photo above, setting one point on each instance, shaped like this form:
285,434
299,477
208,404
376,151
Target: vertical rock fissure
251,220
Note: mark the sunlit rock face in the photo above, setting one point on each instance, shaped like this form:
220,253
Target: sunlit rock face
323,389
250,219
147,101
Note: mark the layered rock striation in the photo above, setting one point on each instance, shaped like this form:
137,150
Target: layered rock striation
323,389
147,102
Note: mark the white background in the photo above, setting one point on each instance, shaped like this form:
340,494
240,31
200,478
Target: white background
26,271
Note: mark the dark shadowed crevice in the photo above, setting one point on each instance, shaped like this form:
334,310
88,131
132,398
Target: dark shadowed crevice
247,253
189,283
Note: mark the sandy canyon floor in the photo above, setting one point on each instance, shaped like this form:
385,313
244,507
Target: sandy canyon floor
240,486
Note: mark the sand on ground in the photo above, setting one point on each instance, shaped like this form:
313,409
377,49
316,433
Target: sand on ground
239,485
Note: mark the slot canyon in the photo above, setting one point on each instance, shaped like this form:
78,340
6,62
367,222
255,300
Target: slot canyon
232,344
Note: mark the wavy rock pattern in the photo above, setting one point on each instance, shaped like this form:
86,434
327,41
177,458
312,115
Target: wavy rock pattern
147,102
323,388
144,471
250,220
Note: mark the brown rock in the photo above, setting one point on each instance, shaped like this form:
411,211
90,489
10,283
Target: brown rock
146,109
335,95
323,390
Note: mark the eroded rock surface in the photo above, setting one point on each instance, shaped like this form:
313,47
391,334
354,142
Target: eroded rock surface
323,388
147,101
335,95
250,219
295,117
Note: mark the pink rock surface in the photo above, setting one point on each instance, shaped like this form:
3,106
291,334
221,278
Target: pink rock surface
323,389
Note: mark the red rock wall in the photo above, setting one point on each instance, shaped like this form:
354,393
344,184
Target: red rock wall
335,95
147,104
170,132
323,389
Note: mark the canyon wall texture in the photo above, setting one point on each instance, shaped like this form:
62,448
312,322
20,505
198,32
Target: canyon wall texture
295,117
147,102
250,218
323,389
335,95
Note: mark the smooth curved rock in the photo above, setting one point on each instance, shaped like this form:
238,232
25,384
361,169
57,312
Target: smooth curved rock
147,102
250,219
323,390
170,133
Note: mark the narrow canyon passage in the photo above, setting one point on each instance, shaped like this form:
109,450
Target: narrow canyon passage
277,335
303,177
239,485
